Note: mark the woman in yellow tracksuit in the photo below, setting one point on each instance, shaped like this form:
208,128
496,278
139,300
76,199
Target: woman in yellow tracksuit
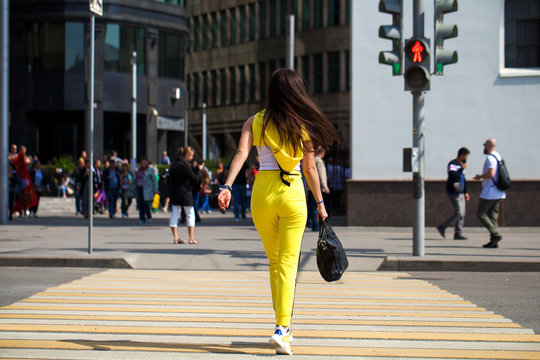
286,132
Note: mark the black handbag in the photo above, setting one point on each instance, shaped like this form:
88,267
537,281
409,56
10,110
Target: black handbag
331,258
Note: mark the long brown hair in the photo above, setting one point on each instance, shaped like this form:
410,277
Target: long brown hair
293,111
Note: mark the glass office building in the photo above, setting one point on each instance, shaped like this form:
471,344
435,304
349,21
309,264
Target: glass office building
49,66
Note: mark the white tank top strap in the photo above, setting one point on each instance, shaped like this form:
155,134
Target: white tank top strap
268,160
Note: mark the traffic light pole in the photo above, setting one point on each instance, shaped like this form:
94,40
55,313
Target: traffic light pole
418,146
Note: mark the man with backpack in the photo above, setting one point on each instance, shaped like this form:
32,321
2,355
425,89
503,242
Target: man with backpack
495,181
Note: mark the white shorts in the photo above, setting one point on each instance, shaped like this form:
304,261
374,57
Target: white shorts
175,213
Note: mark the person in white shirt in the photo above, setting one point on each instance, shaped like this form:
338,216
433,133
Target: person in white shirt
490,198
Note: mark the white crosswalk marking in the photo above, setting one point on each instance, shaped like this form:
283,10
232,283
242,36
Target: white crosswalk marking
142,314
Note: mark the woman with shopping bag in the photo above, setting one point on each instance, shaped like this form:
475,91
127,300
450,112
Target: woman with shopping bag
285,133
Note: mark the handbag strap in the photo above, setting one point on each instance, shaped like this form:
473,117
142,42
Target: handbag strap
323,225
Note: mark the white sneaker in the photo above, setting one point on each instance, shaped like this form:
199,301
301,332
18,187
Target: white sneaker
281,340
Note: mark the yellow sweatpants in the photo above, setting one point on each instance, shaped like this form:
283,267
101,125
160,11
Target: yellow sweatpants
279,213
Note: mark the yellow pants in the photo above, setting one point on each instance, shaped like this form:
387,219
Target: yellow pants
279,213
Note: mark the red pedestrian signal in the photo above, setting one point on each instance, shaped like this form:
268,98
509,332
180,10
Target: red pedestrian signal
417,50
417,72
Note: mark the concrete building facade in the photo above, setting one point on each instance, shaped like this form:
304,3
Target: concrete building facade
493,91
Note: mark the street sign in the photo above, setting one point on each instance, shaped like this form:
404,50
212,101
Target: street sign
96,6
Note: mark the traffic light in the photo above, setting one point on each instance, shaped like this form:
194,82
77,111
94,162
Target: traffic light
416,51
442,32
392,32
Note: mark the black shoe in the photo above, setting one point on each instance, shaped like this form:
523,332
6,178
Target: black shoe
495,238
440,229
491,245
459,237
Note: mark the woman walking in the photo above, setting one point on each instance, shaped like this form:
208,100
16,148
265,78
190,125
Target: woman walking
183,176
287,131
146,188
40,184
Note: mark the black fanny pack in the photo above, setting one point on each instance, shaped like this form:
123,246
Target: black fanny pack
283,173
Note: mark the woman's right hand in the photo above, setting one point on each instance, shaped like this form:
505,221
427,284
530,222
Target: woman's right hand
322,211
224,199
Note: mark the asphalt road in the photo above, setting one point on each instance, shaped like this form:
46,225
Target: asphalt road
513,295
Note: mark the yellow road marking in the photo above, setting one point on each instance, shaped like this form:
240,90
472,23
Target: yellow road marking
248,311
299,291
258,349
250,305
259,298
336,334
392,322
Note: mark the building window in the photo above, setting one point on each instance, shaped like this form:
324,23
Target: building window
170,56
262,81
196,33
120,42
252,85
348,12
242,24
273,17
223,19
347,71
317,73
45,52
522,34
305,15
283,17
196,90
223,83
213,88
262,19
232,73
333,71
333,12
174,2
213,17
232,14
205,87
74,44
205,32
242,89
305,69
252,22
317,12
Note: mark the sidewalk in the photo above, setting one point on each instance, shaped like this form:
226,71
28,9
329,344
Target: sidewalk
59,238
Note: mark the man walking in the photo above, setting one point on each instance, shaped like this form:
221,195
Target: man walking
490,198
456,187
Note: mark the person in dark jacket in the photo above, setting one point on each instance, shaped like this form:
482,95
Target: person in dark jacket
111,180
40,184
456,187
165,188
183,175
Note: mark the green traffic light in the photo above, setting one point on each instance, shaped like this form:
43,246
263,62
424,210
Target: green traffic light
396,68
440,67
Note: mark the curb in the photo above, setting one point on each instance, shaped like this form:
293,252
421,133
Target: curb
394,263
85,262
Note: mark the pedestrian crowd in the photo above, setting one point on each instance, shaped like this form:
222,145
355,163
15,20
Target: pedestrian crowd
116,187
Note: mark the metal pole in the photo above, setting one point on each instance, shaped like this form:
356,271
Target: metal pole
290,42
91,135
4,110
418,176
204,131
418,144
134,111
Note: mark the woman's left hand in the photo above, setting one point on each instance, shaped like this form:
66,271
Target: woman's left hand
224,199
322,212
